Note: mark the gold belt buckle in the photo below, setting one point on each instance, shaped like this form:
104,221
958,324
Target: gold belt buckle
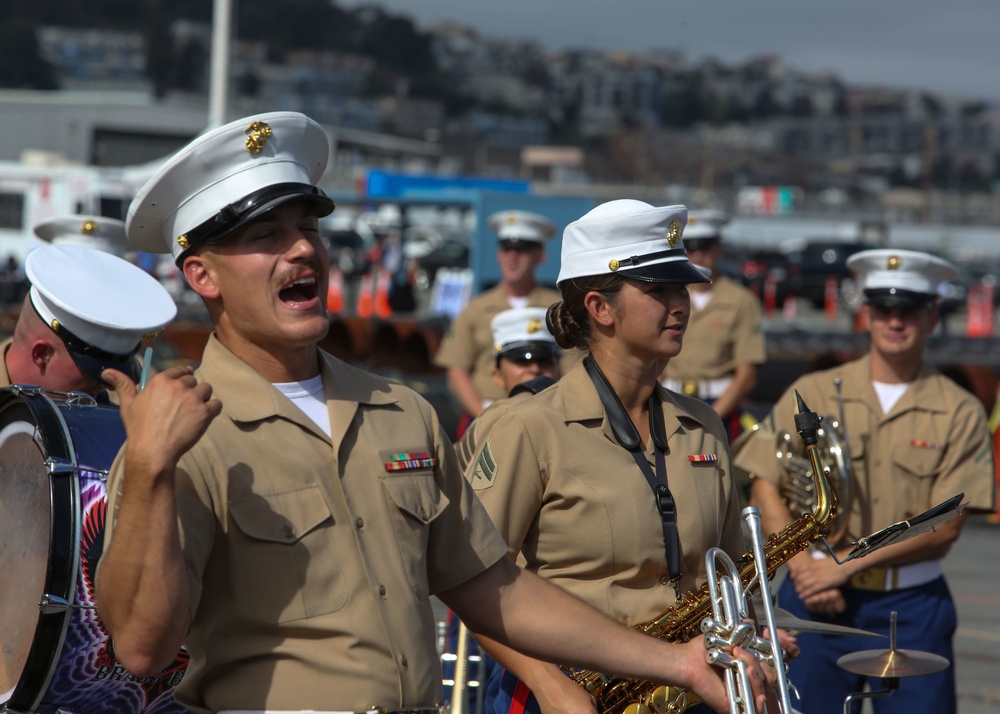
690,387
873,579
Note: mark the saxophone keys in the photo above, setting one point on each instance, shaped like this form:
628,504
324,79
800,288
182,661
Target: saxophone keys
637,708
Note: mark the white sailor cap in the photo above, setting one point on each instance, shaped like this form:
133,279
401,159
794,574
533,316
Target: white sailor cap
101,306
516,226
227,177
98,232
704,229
632,239
521,333
906,278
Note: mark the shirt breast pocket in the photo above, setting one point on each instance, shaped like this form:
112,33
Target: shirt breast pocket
916,467
418,501
284,544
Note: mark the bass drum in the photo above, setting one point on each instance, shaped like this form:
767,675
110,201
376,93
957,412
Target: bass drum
55,655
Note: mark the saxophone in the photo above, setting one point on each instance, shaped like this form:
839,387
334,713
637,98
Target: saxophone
616,695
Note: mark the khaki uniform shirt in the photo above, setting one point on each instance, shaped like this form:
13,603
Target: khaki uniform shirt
468,343
4,377
311,559
576,505
932,445
725,333
468,446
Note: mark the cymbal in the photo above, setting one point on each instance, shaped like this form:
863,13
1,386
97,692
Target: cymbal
892,663
787,621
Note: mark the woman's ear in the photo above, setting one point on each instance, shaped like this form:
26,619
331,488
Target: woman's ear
598,308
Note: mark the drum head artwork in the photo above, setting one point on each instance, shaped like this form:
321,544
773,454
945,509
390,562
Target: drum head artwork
24,539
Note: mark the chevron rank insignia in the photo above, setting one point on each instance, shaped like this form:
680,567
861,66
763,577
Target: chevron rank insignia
484,470
410,461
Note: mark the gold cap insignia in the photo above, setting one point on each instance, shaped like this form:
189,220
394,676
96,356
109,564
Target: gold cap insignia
613,264
88,227
152,335
257,135
55,324
511,218
893,262
534,326
183,241
674,232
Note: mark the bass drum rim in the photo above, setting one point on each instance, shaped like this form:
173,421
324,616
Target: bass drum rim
64,527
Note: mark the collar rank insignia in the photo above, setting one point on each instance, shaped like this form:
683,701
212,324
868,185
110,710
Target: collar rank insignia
921,444
410,461
701,458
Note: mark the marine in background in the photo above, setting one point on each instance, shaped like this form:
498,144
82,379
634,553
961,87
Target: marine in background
724,341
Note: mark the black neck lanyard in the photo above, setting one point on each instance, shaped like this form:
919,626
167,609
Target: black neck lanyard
628,436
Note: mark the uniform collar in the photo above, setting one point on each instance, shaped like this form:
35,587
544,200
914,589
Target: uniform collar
581,403
923,394
248,397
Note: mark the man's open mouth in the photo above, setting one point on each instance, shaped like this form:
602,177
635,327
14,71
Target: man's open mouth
299,291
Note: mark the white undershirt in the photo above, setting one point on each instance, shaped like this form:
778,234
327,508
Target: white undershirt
308,396
889,394
518,303
699,299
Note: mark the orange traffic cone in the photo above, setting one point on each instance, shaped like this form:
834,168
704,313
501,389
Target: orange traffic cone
335,292
830,299
382,283
789,309
979,312
770,295
365,296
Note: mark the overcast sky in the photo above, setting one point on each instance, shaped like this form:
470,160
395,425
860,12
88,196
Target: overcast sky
949,46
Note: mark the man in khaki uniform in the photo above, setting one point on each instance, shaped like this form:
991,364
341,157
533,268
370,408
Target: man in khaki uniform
467,349
527,361
86,311
915,440
724,341
286,515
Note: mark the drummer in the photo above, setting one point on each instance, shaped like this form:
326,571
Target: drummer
86,311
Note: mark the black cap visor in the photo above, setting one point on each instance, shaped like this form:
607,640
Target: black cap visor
93,365
530,350
896,297
676,271
254,205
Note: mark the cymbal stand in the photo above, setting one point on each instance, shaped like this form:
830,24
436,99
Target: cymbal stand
891,684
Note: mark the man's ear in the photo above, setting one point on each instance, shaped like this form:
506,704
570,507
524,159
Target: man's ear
200,275
42,352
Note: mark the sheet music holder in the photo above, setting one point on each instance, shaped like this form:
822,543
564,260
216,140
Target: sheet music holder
904,530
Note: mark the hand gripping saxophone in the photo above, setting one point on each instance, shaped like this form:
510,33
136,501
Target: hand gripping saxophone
719,610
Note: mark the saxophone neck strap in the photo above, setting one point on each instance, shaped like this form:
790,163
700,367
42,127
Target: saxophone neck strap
628,437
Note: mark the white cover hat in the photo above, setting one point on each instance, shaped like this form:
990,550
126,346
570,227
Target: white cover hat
891,276
521,332
522,225
629,238
704,227
101,306
227,177
98,232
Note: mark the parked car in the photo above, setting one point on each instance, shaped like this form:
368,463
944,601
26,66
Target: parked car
350,252
811,267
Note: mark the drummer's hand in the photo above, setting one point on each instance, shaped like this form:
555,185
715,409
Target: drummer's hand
828,602
166,418
813,576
